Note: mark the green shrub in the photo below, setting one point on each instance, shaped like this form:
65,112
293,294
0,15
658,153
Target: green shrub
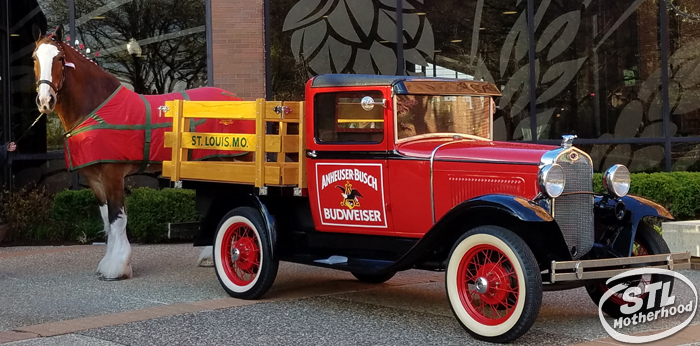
679,192
149,211
78,213
27,213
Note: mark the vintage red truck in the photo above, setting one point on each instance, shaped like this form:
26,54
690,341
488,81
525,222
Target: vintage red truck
379,174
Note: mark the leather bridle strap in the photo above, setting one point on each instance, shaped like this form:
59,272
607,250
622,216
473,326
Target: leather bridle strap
44,81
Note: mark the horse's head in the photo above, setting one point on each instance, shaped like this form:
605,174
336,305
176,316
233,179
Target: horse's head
49,65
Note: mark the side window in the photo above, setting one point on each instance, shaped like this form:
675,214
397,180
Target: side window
340,118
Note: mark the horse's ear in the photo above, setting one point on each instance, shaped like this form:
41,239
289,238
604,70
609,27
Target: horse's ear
58,35
36,32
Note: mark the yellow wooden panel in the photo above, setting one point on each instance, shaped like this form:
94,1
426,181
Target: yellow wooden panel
272,175
177,130
167,169
219,109
225,171
171,109
290,175
270,110
295,107
168,140
281,144
301,178
218,141
260,156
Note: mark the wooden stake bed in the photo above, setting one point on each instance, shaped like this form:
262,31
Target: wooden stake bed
260,172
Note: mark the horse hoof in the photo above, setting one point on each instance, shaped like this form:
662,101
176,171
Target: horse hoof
102,278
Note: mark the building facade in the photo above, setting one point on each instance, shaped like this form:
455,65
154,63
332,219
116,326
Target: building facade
624,76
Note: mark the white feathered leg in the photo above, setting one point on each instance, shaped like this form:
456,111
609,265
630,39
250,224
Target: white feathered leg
117,263
108,253
206,257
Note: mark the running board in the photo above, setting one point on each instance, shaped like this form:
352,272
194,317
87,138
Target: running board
609,267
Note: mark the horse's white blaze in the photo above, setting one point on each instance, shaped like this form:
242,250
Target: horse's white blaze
117,262
45,54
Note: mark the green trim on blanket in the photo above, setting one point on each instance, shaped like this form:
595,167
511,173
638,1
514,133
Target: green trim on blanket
146,135
122,127
93,114
70,161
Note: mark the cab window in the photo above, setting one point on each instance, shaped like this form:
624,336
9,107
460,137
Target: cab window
340,118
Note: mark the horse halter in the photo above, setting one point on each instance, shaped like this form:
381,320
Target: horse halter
63,71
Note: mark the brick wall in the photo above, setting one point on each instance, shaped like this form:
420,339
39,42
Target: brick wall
239,47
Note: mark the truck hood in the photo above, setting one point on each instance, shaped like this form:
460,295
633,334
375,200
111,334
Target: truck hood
475,151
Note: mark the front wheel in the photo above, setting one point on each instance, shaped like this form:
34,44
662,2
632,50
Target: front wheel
243,258
647,241
493,283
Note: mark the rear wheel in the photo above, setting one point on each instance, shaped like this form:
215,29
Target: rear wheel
374,279
243,254
647,241
493,284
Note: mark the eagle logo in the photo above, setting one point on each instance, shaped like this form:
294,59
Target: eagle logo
350,196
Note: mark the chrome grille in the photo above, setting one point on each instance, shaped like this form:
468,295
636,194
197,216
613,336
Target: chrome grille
574,213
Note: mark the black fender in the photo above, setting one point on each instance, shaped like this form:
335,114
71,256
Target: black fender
525,218
637,208
214,206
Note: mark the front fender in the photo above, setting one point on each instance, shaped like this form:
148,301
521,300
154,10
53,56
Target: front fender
517,207
637,209
519,215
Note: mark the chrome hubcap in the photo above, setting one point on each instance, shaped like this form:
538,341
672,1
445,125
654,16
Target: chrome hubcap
482,285
235,254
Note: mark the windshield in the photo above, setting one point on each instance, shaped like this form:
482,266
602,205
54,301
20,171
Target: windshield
426,114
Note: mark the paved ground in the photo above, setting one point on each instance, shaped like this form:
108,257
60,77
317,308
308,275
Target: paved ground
50,296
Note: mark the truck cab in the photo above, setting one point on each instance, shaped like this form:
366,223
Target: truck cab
379,174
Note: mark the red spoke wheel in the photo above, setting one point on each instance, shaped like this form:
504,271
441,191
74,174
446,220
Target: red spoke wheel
646,242
493,284
243,254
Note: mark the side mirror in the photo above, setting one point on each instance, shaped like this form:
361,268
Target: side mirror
368,103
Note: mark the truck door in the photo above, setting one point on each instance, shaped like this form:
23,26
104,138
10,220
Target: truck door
347,161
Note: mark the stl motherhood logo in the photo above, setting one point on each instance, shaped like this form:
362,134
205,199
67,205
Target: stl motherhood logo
636,310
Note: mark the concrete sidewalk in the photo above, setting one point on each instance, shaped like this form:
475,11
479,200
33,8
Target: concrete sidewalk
50,296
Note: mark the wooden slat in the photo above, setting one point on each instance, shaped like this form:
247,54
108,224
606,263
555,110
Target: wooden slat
260,156
270,110
175,169
168,139
220,109
171,109
224,171
278,144
226,141
301,172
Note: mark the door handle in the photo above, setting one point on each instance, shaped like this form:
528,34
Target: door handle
311,153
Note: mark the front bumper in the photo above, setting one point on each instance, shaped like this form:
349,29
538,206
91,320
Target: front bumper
609,267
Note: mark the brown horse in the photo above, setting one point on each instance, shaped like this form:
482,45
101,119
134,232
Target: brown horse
75,87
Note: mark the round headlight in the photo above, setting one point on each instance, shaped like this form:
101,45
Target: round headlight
616,180
552,180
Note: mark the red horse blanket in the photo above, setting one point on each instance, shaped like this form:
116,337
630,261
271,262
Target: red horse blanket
127,128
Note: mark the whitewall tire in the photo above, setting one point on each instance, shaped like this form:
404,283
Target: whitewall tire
493,283
243,258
